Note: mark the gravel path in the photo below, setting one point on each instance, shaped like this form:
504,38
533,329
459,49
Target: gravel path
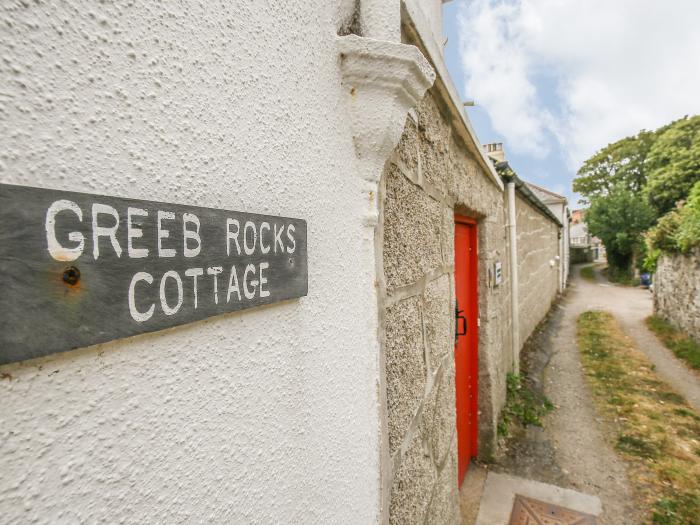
631,306
572,450
574,430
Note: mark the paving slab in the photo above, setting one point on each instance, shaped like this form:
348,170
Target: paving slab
500,492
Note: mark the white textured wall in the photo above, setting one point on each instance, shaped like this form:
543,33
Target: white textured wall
432,11
265,416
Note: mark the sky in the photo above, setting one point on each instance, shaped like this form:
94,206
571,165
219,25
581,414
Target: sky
557,80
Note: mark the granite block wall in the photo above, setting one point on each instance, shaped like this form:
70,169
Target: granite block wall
430,176
677,291
538,274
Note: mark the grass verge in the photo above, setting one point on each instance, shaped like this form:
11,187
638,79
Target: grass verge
588,273
676,341
524,405
617,277
652,426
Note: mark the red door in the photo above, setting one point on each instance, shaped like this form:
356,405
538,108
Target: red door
466,341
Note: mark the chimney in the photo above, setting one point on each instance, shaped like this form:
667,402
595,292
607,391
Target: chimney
495,151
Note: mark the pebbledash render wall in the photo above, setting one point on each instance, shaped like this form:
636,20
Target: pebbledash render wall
431,175
677,291
538,272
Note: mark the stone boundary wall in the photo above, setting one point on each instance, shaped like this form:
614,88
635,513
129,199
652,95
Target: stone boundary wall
538,273
677,291
430,176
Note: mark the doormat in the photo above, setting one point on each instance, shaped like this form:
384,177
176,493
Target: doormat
528,511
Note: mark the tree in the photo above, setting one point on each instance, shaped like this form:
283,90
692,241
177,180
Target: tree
622,163
639,179
619,219
688,236
679,229
673,164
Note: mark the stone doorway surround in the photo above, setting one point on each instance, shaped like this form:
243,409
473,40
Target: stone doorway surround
383,80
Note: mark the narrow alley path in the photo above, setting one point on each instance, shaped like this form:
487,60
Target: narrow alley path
571,450
581,452
631,306
580,449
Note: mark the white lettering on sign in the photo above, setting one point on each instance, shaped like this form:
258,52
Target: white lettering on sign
233,285
249,226
263,280
246,291
164,234
134,232
253,278
135,314
58,252
167,309
149,234
104,231
194,273
232,235
290,230
190,218
215,271
263,248
95,268
278,238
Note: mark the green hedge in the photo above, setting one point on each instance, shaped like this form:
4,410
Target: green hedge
676,232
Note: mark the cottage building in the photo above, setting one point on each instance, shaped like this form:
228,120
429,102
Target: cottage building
361,398
586,247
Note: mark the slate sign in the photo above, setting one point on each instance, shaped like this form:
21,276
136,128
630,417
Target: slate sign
79,269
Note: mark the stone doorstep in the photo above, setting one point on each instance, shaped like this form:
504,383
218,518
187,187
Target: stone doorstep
470,493
500,491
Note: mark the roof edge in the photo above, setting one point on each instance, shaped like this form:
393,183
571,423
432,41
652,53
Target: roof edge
414,18
508,175
555,196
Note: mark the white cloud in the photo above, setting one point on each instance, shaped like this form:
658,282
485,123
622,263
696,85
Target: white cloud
579,75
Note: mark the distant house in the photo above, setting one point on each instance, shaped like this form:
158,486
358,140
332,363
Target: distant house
587,247
579,234
577,216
